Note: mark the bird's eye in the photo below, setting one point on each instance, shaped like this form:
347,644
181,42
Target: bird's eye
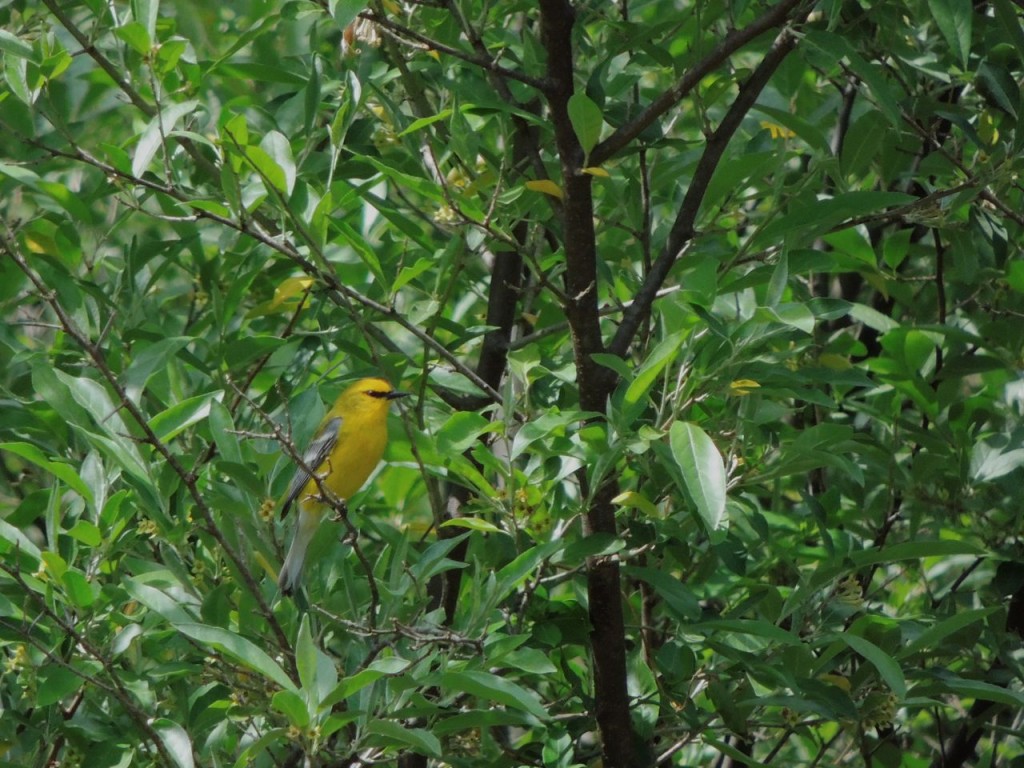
376,393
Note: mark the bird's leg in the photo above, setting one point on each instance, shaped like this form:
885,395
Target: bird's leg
340,507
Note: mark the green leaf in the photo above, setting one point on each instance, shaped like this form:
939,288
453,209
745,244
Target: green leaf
148,361
60,470
1007,18
516,572
180,416
997,84
15,46
954,19
887,667
794,315
677,596
915,550
175,740
613,363
423,122
146,12
217,638
836,47
594,545
64,197
989,463
863,143
389,666
703,471
173,610
658,359
637,501
472,524
240,649
737,755
419,740
408,274
462,430
306,655
16,75
586,120
136,36
222,426
493,688
14,539
811,134
931,638
980,690
816,217
872,318
87,533
279,153
529,660
753,627
780,278
156,133
81,592
345,11
55,684
293,706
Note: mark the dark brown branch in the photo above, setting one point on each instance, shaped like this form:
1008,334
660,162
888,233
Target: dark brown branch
619,743
581,309
732,42
683,228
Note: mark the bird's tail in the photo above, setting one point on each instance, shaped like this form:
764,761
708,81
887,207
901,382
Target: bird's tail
290,577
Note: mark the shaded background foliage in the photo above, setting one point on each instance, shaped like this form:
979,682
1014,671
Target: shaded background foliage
711,312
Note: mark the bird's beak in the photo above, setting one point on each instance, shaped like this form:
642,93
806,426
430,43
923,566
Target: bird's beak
396,395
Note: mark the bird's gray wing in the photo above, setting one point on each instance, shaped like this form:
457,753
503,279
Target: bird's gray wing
315,455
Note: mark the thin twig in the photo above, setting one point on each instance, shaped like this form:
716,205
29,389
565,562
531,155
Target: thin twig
429,44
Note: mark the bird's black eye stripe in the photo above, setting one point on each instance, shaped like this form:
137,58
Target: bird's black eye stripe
377,393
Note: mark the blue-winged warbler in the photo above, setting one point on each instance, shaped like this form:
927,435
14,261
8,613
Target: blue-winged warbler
348,446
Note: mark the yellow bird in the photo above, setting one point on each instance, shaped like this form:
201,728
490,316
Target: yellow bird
346,449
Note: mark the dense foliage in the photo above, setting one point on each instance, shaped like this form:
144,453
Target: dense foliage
711,315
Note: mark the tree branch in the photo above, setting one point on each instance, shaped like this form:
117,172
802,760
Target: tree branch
683,228
732,42
619,743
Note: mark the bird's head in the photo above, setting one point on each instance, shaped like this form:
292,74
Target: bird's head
370,394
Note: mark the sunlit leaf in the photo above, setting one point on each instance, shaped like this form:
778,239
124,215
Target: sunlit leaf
702,469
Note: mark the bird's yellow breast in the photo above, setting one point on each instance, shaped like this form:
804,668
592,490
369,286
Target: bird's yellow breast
362,437
356,455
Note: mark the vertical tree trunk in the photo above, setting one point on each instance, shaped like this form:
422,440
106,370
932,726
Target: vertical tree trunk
608,639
